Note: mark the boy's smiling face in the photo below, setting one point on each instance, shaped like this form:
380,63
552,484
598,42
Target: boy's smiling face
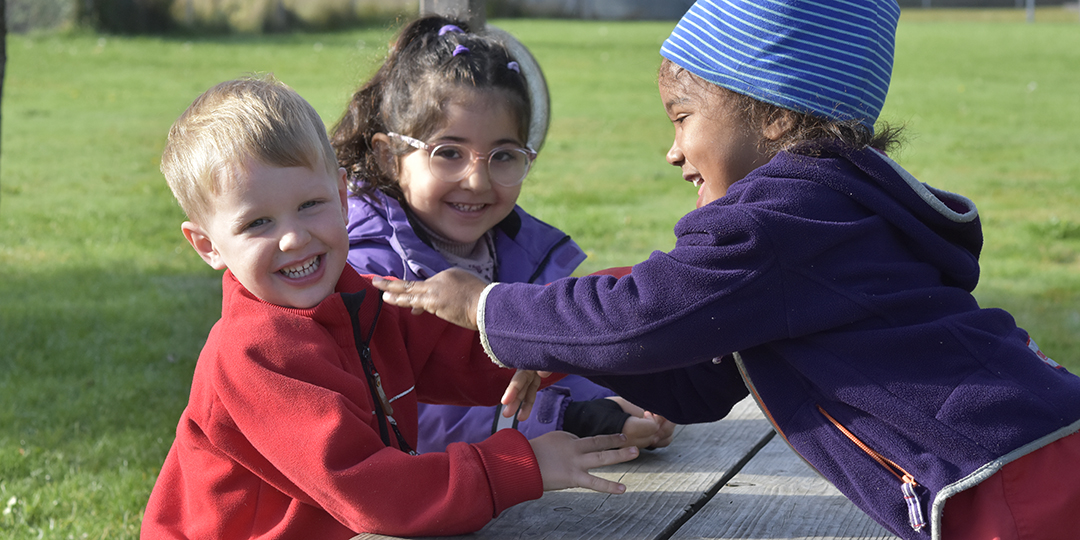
713,144
280,230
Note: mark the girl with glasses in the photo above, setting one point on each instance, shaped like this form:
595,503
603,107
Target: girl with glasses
436,144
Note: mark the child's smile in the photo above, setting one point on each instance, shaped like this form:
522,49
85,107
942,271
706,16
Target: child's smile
464,210
713,145
281,231
303,269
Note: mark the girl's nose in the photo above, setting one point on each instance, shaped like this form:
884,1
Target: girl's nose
477,179
674,155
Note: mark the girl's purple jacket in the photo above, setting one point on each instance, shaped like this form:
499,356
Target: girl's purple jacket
383,242
831,286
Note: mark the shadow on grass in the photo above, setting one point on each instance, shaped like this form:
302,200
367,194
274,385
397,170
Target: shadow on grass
89,356
95,369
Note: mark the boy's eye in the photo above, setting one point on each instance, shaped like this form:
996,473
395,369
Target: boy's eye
308,204
257,223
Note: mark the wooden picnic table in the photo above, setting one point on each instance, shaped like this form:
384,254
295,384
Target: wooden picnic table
731,479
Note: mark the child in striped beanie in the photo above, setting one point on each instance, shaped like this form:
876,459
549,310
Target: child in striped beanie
818,276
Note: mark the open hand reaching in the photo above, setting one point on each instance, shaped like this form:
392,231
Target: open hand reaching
451,295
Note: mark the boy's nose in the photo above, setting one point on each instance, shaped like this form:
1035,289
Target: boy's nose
294,238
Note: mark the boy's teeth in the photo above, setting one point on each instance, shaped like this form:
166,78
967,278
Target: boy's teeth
301,270
698,182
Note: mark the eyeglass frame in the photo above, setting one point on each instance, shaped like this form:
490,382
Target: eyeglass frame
474,156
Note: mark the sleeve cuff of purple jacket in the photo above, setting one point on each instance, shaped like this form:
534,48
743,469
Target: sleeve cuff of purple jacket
480,324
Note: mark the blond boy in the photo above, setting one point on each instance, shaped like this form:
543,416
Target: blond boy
302,413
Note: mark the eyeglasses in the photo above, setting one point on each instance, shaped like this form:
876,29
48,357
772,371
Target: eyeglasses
506,166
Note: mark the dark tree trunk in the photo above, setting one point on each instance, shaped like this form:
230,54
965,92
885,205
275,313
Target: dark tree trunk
3,46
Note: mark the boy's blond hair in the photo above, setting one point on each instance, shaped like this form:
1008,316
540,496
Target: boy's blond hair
231,125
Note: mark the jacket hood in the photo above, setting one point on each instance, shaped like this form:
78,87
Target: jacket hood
940,227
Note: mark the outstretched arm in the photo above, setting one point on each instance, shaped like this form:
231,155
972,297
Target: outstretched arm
451,295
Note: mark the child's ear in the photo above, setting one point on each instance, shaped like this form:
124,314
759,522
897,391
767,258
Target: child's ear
778,125
380,143
203,245
343,192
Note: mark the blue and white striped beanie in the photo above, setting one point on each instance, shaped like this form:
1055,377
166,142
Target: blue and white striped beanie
830,58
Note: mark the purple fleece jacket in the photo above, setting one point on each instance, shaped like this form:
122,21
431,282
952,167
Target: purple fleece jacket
834,286
383,242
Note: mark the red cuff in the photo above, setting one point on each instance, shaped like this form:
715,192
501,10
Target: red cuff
513,473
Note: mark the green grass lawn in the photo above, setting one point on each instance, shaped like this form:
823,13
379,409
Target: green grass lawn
104,307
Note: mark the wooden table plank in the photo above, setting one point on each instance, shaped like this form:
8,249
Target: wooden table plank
778,496
662,486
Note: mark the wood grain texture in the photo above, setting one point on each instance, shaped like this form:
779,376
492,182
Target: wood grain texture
778,496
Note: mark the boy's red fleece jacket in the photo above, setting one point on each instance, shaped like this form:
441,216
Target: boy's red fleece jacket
280,438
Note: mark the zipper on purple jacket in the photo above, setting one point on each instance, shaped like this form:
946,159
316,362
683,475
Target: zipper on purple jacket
907,481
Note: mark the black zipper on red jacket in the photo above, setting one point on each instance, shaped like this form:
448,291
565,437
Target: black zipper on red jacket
907,481
383,410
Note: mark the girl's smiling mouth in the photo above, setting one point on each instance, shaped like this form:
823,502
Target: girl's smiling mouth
462,207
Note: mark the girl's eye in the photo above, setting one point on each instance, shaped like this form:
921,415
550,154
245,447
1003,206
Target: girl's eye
448,153
504,156
308,204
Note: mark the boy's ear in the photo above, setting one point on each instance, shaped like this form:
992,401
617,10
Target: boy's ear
380,142
203,245
343,192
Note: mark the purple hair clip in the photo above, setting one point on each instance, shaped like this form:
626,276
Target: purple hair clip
450,28
513,66
460,49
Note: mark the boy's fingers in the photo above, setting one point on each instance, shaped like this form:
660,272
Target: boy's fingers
611,457
596,483
601,442
603,458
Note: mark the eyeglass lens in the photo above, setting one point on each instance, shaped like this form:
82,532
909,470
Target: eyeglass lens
506,166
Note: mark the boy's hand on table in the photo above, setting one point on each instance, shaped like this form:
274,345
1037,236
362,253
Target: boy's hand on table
565,460
451,295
